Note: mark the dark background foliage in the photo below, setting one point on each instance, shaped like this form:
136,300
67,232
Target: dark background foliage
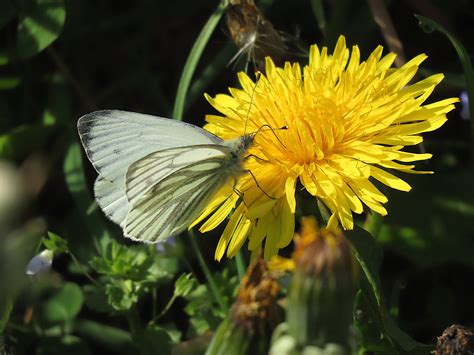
62,59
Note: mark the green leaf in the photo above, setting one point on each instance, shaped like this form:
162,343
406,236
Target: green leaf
55,243
129,262
68,344
77,185
422,236
193,59
63,305
4,58
6,306
152,340
96,299
368,254
368,328
24,139
7,83
41,22
115,339
184,285
122,294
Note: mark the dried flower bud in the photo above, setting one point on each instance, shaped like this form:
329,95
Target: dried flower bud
252,318
254,34
456,340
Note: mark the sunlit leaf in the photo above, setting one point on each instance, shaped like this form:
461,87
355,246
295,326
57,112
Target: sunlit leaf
41,22
55,243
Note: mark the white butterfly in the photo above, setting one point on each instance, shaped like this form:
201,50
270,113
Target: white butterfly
156,174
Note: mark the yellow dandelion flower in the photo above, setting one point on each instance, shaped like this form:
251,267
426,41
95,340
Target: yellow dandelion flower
348,122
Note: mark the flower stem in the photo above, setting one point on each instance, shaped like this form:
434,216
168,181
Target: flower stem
164,311
210,279
86,274
240,262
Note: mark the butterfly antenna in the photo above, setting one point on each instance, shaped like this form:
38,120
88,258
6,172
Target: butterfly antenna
273,131
251,100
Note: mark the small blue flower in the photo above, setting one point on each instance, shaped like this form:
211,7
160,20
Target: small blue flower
161,247
465,105
40,263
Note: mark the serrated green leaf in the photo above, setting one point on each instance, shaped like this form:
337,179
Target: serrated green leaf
55,243
122,294
368,327
41,22
368,254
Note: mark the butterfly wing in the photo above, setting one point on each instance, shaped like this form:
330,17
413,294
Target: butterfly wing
167,206
114,140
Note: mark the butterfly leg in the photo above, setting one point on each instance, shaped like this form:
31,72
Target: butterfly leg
258,185
257,157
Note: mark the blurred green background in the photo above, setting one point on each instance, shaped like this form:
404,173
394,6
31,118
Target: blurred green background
62,59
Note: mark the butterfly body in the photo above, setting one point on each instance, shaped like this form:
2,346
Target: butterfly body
155,174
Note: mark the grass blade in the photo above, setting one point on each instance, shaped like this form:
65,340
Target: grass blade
193,59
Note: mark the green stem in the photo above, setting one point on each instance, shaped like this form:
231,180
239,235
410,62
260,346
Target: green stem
240,262
325,214
166,309
86,274
194,57
212,284
133,319
318,10
428,25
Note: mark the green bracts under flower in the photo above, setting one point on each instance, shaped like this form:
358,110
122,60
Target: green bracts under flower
321,295
252,318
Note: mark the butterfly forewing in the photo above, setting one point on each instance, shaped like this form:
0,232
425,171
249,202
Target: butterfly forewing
114,140
170,205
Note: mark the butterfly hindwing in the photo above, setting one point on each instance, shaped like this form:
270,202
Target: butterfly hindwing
112,198
148,171
170,205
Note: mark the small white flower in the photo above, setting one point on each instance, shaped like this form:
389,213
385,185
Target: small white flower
39,263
